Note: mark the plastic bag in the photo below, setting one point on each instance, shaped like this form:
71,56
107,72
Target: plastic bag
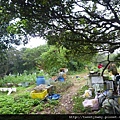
87,94
92,103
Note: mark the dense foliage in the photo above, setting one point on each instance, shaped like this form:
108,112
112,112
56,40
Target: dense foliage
86,25
22,103
48,58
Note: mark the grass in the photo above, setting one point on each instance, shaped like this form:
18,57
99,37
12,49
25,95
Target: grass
78,106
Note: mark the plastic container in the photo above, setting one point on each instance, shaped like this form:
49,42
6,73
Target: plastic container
61,79
40,95
54,96
40,80
51,89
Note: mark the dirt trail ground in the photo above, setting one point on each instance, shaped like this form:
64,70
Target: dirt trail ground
66,102
66,106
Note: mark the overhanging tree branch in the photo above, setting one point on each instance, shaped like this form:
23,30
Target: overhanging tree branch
92,24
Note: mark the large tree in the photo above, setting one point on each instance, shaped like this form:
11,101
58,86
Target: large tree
79,25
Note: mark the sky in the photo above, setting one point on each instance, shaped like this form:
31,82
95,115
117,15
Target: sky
34,42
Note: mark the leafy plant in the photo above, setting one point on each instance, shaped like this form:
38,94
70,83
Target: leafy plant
39,107
53,102
40,73
78,106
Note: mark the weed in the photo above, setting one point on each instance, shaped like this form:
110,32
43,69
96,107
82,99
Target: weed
78,106
39,108
53,102
62,86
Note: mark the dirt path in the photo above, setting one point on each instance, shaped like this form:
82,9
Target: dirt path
66,102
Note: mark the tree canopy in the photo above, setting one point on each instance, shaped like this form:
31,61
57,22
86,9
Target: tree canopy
78,25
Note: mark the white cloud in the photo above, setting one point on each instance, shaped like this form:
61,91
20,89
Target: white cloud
34,42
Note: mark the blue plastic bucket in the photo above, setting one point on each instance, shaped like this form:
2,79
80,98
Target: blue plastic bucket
61,79
40,80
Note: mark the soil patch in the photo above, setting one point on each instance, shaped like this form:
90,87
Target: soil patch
66,101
